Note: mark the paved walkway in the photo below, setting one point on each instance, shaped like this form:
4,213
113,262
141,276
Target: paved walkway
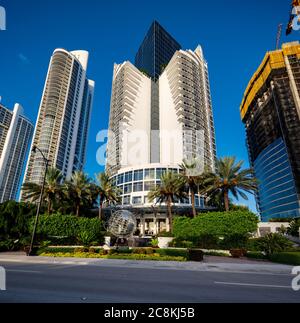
212,264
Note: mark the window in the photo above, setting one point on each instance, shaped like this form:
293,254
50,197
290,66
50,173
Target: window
126,200
120,179
127,188
128,177
137,200
149,174
159,172
149,186
138,175
138,187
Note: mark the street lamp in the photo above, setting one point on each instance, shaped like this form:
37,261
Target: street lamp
46,161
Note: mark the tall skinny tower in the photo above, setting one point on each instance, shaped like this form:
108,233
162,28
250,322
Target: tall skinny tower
15,136
62,126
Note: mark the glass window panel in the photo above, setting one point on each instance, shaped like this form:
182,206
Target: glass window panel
128,177
138,187
138,175
149,186
149,174
127,188
137,200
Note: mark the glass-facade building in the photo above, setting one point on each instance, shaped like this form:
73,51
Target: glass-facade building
271,113
277,190
62,125
15,136
136,183
156,51
160,114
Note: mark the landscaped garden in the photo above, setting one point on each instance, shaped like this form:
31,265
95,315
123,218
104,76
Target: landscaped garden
67,227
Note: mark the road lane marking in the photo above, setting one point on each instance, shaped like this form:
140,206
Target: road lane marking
23,271
43,262
252,285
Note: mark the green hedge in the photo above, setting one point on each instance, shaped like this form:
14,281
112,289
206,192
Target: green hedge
215,224
66,226
289,258
173,252
155,257
14,224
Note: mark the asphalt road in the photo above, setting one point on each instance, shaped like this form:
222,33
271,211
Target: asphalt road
48,283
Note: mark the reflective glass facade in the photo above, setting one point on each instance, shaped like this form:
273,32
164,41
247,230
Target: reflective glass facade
136,184
156,51
277,196
271,113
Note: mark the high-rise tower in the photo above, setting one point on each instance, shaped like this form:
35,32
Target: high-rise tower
64,116
15,135
159,118
271,113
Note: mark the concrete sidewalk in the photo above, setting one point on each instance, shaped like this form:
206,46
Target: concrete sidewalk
210,264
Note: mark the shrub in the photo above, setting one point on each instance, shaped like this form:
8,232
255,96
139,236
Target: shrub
172,252
66,227
154,243
86,238
124,251
273,243
234,241
289,258
215,223
195,255
256,255
14,224
143,251
207,241
178,243
216,253
155,257
165,234
293,229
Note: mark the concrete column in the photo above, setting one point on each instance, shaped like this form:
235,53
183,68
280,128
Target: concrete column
142,226
155,226
167,225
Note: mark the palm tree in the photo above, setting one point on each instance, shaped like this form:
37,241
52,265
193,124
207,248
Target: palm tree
108,193
52,190
79,190
190,175
230,178
170,189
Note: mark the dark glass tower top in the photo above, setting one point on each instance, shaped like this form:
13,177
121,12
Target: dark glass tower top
156,51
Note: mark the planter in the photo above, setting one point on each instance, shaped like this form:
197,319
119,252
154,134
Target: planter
238,253
196,255
163,242
27,249
107,241
33,251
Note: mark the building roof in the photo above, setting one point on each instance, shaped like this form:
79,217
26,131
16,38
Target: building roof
273,60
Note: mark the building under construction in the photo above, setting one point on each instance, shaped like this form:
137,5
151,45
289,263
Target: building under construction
270,111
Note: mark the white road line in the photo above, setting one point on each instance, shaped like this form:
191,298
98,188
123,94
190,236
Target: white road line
23,271
42,262
252,285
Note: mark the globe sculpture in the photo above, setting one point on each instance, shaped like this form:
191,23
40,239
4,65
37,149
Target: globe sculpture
121,224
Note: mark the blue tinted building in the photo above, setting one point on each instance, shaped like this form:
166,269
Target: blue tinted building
271,113
277,191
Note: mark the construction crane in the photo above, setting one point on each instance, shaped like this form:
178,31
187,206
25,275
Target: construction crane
278,38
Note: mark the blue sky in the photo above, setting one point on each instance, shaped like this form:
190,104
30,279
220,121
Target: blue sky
234,35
